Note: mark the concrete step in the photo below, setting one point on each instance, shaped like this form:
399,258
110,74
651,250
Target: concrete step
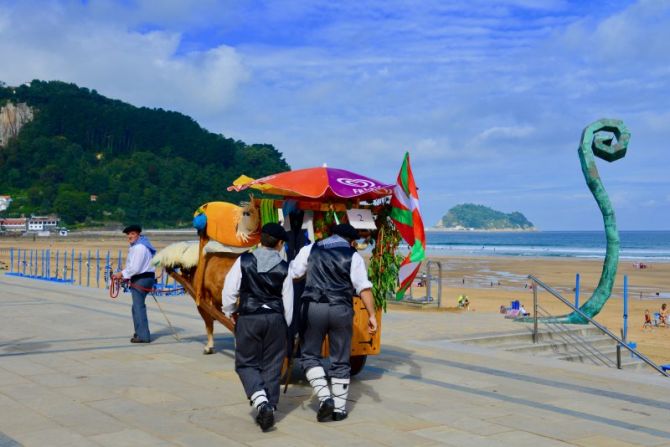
567,345
627,359
558,346
525,336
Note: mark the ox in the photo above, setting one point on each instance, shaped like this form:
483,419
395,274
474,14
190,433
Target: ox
201,266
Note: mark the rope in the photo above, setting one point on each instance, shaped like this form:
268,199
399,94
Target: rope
174,332
115,286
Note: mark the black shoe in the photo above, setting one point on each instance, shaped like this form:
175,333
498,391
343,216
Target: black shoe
137,340
339,415
325,410
265,417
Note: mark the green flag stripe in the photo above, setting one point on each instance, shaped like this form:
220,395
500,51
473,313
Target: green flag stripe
404,175
402,216
417,254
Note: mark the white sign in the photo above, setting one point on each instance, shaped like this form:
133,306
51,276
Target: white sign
361,219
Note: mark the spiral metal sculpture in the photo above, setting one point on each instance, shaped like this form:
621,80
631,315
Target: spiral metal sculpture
596,144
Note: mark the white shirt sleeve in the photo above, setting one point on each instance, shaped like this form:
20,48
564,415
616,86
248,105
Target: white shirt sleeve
359,274
298,266
287,298
231,289
138,261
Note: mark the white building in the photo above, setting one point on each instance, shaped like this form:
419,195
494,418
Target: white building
43,223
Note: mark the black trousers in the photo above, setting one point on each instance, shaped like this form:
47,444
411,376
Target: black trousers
260,348
336,322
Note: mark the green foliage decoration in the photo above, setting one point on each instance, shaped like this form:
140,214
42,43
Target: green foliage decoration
384,262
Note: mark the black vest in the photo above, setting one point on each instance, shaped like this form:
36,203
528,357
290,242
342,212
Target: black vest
329,274
258,289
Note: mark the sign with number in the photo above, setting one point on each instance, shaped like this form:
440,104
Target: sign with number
361,219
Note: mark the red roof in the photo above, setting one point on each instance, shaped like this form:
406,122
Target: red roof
14,221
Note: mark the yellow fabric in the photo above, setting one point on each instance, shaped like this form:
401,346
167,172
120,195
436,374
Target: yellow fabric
244,179
222,218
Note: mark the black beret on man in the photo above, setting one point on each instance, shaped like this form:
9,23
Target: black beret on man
275,230
346,231
131,228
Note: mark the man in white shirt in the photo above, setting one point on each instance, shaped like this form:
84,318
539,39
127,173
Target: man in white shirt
141,275
334,273
265,290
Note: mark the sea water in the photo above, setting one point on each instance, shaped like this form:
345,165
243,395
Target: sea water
637,245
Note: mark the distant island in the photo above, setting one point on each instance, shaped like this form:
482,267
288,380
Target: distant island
471,217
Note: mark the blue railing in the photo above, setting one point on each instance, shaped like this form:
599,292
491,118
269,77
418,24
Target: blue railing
75,269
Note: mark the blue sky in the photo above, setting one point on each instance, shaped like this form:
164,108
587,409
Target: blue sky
489,97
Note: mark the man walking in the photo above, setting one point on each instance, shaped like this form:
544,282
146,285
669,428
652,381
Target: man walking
335,271
260,280
141,275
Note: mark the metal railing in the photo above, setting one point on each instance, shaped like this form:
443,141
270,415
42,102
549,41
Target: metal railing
576,342
620,343
429,278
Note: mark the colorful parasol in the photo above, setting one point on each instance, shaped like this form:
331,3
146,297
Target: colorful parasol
316,183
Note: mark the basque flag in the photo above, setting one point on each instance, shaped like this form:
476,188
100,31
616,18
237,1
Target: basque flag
407,219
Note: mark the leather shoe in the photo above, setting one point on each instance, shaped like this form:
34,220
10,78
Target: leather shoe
265,417
325,410
339,415
138,340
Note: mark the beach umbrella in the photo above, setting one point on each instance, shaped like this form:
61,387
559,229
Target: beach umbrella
317,183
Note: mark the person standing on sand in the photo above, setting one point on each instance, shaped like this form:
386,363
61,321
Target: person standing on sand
663,318
141,275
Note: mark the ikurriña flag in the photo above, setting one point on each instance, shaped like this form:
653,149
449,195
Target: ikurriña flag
407,219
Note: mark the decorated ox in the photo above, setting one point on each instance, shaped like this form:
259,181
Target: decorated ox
201,266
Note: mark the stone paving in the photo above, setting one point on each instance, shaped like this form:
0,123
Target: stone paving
70,377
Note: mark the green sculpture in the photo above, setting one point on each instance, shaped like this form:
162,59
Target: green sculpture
595,143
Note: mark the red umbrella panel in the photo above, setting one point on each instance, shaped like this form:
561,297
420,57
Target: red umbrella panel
317,183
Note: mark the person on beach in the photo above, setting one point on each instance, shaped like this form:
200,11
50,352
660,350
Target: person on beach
265,290
522,311
141,275
647,320
334,273
663,315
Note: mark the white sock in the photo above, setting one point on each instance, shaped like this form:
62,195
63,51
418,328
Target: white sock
317,378
258,399
340,393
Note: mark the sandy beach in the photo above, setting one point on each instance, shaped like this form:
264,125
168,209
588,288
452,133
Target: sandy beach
489,282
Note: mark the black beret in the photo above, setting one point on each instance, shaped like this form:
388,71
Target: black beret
130,228
346,231
275,230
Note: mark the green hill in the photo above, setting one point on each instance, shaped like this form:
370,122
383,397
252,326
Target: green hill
144,165
479,217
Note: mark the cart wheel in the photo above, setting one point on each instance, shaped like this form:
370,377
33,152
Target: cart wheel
357,363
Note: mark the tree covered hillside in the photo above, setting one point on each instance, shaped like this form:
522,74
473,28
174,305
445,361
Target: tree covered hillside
480,217
144,165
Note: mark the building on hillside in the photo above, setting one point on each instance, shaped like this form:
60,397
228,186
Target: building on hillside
4,202
43,223
14,225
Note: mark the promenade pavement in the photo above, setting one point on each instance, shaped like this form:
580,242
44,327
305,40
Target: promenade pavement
70,377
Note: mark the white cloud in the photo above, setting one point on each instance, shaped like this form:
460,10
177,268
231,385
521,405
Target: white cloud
489,97
143,69
513,132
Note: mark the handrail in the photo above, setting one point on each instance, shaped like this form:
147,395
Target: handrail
602,328
580,345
